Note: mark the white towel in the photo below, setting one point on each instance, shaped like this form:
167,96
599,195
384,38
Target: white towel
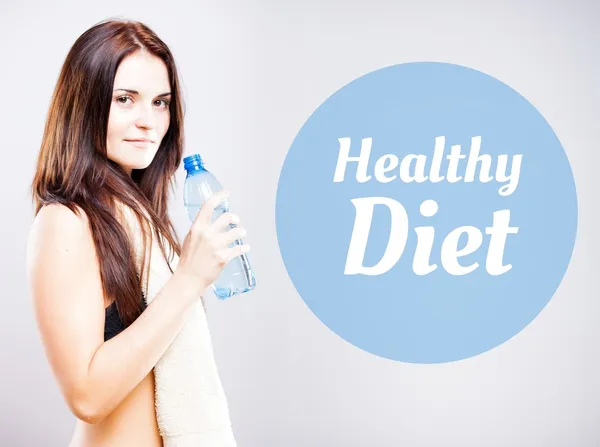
191,406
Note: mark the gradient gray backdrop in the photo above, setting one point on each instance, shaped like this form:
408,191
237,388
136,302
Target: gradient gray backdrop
253,72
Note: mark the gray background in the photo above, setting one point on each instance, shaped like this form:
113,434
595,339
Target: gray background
253,72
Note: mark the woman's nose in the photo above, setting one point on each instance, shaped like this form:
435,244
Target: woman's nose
146,118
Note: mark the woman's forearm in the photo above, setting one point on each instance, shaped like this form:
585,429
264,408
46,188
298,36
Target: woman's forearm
121,363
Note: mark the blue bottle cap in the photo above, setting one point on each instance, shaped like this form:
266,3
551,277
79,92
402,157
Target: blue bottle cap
192,161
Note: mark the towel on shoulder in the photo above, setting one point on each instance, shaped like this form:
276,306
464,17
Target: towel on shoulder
191,405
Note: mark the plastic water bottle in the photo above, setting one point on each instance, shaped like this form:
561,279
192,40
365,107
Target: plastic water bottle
237,276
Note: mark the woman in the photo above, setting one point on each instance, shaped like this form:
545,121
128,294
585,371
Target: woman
114,138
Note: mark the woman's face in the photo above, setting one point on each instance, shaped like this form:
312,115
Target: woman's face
139,110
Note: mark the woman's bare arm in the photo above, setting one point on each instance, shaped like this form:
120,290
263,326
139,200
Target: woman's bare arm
64,275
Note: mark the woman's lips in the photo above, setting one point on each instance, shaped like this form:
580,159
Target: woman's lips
140,143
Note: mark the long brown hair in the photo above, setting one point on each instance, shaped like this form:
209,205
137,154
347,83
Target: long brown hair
73,168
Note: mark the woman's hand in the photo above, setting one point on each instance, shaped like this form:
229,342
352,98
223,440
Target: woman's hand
205,250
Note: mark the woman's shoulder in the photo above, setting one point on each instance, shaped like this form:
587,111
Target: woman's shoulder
55,210
58,227
60,255
56,223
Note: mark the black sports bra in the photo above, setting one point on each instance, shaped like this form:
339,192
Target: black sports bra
113,325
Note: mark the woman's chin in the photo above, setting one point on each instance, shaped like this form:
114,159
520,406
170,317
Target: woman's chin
143,161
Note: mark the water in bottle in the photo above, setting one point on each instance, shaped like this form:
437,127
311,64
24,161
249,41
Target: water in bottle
237,276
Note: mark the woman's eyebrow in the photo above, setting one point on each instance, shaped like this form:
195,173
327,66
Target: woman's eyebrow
135,92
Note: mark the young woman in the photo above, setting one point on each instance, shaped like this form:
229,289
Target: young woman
114,138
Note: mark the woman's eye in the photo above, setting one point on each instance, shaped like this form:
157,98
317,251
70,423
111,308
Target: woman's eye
123,97
165,103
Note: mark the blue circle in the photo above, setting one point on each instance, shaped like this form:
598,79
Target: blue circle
405,313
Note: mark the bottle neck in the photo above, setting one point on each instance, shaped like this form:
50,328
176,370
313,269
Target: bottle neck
193,170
